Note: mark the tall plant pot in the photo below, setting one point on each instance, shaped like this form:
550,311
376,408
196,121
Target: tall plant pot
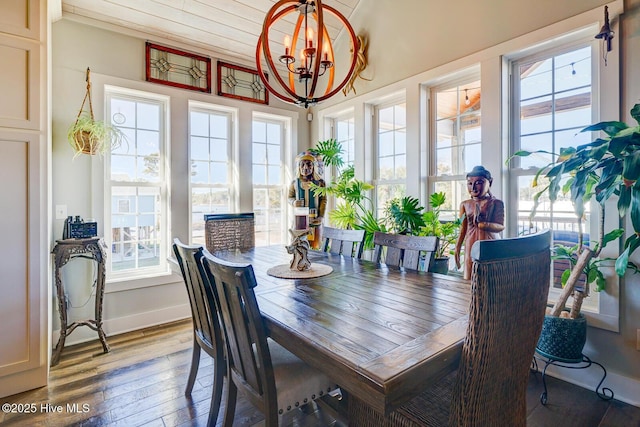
439,265
563,339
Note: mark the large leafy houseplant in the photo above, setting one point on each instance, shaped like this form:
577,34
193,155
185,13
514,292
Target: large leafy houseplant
445,231
606,167
352,201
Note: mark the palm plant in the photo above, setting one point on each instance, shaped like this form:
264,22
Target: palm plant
447,232
352,206
404,215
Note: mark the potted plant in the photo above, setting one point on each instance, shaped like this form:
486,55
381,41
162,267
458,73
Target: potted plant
352,206
445,231
605,167
404,215
90,136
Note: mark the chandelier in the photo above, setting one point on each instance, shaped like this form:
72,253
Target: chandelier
299,76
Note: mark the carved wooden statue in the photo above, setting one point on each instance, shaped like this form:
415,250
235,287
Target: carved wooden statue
298,248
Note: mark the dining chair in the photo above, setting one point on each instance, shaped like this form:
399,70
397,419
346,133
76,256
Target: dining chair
399,250
229,231
271,378
343,242
510,282
207,334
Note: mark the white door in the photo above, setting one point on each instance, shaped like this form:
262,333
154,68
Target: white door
24,171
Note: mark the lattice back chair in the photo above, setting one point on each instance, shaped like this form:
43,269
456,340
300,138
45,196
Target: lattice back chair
271,378
229,231
510,282
399,250
207,334
343,242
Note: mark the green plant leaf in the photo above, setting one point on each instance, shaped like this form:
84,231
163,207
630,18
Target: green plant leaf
330,151
635,208
624,200
631,167
635,112
610,128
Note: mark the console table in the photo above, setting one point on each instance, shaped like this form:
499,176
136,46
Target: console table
92,248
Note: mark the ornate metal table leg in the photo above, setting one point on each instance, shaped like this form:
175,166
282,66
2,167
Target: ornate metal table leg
100,256
62,310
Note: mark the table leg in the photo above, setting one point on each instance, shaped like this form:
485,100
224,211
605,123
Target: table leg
98,309
62,311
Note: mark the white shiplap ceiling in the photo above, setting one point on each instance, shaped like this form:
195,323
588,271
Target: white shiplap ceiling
226,28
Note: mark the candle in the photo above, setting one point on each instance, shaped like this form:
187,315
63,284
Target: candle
287,44
325,50
310,36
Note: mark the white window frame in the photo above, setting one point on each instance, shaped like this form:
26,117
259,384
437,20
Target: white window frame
605,105
231,114
377,181
285,124
433,177
163,186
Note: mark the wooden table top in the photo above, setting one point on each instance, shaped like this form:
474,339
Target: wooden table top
381,333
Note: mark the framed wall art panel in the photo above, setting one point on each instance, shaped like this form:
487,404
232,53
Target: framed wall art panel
173,67
235,81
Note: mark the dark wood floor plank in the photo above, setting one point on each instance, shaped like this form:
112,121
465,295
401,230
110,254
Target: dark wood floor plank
142,383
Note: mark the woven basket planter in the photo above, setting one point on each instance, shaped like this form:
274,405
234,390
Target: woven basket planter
563,339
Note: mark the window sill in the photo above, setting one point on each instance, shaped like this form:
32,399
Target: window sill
120,285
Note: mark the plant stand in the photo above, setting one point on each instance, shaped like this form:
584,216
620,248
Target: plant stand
605,394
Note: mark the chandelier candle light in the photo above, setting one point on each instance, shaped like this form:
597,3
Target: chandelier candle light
315,58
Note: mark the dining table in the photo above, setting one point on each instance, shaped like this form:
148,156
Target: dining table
383,334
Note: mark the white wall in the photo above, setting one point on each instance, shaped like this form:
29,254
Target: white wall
420,41
119,60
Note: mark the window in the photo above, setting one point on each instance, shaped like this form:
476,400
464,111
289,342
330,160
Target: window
210,136
391,149
344,133
457,141
552,102
137,178
269,197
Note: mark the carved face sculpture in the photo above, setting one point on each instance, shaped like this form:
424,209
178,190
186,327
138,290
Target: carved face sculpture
478,186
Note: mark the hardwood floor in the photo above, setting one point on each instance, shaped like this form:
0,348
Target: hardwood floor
141,382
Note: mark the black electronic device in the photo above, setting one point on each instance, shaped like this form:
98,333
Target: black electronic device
77,228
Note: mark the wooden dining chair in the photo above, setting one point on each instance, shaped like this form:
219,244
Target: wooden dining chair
399,250
207,334
510,282
229,231
343,242
270,377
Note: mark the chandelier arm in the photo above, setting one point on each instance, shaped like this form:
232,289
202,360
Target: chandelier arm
294,42
319,17
332,69
354,57
263,41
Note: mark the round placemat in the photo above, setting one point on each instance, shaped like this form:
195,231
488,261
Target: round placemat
284,272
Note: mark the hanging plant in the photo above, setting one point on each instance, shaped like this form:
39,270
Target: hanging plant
90,136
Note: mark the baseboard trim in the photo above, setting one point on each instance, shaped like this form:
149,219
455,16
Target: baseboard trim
124,324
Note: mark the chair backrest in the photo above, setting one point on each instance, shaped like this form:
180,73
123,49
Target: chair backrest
403,250
343,242
248,352
206,325
510,282
229,231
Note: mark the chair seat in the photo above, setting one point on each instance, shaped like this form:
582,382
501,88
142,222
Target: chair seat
430,408
296,382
